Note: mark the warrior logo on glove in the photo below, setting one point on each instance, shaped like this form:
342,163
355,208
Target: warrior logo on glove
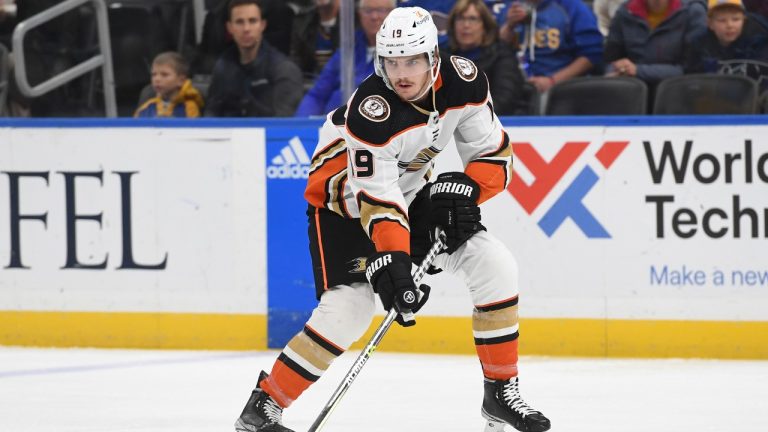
452,188
454,208
390,275
377,264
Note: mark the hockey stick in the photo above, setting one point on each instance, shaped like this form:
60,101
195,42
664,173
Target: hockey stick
371,346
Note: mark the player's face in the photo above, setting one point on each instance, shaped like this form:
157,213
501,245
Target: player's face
727,24
408,75
246,25
165,80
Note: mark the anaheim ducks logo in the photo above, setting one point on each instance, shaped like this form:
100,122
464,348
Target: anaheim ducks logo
358,265
374,108
466,69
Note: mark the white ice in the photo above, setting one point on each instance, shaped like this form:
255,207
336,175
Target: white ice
63,390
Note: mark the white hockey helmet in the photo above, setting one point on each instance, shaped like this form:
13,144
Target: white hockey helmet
407,31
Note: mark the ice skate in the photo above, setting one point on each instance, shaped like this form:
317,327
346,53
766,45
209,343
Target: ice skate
503,405
261,413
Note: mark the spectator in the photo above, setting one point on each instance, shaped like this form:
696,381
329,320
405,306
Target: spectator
604,11
558,39
216,38
648,38
736,43
174,94
473,34
315,36
759,7
439,9
252,78
325,95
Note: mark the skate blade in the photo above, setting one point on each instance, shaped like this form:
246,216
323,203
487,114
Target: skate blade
242,427
493,426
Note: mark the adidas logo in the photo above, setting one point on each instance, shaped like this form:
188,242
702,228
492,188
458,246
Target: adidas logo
292,162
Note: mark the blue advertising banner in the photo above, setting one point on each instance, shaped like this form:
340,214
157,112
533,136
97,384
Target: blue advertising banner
291,287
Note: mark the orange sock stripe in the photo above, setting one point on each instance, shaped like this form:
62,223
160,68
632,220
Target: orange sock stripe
285,384
499,361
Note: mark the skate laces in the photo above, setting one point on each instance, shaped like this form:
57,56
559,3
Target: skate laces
272,410
511,393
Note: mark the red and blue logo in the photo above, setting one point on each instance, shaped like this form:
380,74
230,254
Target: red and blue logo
569,205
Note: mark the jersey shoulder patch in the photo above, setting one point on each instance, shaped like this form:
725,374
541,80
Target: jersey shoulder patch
376,114
465,68
463,83
374,108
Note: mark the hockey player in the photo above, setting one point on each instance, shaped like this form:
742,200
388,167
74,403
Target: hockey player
369,202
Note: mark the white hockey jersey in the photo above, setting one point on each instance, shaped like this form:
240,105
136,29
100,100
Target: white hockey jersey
375,153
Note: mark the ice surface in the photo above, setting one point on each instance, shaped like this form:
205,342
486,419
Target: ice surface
63,390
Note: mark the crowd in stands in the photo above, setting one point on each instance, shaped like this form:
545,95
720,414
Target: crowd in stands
280,58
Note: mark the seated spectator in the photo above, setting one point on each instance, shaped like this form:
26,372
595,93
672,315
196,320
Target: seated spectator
215,38
473,34
325,95
736,43
604,11
315,36
647,38
252,78
174,94
558,39
439,9
758,7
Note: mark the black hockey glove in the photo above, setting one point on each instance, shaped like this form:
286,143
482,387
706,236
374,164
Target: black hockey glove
454,208
419,218
390,275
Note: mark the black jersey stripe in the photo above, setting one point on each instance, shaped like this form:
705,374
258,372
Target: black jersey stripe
499,305
497,340
340,186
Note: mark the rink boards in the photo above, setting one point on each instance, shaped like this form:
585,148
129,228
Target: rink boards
639,237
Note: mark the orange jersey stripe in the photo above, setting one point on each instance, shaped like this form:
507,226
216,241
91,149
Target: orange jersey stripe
391,236
316,193
320,247
490,177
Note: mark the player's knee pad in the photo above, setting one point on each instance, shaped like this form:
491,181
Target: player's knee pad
344,313
488,267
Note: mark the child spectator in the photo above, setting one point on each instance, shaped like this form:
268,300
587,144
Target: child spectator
736,43
174,94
